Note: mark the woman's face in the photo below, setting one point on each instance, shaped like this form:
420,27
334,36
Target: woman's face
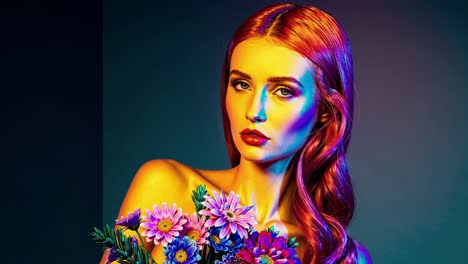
271,89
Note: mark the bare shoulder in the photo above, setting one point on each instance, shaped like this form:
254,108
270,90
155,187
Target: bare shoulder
159,166
156,181
170,181
364,256
154,172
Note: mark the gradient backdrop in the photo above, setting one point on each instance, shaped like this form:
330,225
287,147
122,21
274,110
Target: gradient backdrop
162,66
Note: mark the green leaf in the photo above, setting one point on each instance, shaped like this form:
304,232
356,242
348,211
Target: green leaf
137,254
198,197
292,242
128,252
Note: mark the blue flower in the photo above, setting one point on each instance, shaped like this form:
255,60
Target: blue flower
181,251
232,244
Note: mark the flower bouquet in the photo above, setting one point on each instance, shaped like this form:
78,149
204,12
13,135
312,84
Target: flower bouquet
220,231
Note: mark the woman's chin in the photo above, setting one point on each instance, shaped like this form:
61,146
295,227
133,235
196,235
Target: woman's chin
257,156
263,156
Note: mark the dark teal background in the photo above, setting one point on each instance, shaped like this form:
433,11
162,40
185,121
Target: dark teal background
162,64
50,130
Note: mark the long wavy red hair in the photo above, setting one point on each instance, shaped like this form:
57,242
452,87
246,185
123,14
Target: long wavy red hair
324,198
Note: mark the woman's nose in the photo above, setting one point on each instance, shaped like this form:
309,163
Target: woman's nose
256,108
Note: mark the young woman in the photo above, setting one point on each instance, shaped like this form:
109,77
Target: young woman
287,103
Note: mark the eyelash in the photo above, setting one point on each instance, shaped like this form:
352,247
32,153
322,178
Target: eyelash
235,83
290,91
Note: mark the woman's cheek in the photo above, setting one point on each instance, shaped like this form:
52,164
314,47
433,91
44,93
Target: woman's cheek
232,109
305,117
296,122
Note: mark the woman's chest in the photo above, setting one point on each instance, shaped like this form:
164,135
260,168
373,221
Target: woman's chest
192,195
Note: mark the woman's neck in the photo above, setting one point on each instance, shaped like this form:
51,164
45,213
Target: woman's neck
264,186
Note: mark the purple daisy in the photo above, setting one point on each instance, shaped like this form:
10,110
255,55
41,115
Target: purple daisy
196,230
226,213
267,247
132,221
134,241
162,225
113,256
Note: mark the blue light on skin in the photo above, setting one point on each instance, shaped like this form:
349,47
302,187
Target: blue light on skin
283,109
271,89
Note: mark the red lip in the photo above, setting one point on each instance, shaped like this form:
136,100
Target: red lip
253,132
254,137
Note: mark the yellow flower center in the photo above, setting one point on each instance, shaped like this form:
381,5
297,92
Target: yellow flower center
181,256
194,235
265,259
165,225
216,239
230,214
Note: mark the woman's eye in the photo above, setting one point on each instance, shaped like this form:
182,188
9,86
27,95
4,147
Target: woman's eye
240,85
284,92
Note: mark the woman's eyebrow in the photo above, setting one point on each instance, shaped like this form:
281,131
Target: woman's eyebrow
241,74
271,79
285,79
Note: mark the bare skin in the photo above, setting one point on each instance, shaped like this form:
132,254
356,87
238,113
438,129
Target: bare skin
150,186
271,89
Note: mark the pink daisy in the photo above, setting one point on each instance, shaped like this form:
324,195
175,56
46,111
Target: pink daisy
162,225
196,230
228,215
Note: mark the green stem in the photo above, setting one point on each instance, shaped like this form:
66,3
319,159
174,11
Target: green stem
139,236
125,255
144,247
212,256
205,252
209,256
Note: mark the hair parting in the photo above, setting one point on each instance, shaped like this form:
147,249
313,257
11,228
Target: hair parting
323,203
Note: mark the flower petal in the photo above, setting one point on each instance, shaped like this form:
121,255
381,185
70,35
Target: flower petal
224,232
220,222
233,227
